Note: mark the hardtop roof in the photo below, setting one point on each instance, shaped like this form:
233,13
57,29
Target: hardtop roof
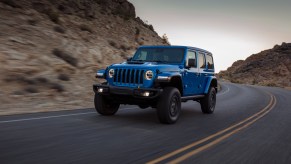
176,46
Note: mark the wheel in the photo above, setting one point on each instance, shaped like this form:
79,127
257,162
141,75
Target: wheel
209,101
143,106
104,107
169,105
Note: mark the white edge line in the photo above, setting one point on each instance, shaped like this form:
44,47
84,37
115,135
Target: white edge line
67,115
40,118
224,91
48,117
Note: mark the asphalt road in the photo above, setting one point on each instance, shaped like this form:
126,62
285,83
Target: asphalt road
250,125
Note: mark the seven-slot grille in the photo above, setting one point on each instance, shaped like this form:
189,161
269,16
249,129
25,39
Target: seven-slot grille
128,76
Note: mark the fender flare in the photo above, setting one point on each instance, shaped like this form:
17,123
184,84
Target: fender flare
210,81
171,78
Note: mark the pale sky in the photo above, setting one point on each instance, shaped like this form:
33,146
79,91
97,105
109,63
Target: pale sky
230,29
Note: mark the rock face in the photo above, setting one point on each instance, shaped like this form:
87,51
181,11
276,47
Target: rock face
51,49
270,68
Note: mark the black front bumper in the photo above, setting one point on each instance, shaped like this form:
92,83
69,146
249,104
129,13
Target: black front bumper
137,93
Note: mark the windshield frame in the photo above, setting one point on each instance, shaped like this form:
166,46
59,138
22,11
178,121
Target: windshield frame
136,56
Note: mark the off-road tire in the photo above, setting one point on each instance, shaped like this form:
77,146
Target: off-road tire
104,107
143,106
169,105
209,101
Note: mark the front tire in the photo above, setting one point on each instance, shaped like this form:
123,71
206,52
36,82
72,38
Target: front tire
169,105
104,107
209,101
143,106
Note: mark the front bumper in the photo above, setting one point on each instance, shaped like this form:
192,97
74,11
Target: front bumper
138,93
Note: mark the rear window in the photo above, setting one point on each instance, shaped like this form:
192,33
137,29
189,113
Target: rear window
209,62
201,61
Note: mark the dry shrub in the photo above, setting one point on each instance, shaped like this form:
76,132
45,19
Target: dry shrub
42,80
234,81
57,87
271,84
59,29
141,42
53,15
66,57
19,79
123,47
137,31
11,3
64,77
18,93
32,22
113,43
31,89
84,27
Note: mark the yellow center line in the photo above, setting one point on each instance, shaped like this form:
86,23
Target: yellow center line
211,136
218,140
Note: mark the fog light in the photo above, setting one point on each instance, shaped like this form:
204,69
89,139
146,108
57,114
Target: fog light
100,90
146,94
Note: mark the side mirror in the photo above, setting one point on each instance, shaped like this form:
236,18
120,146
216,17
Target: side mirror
191,63
129,59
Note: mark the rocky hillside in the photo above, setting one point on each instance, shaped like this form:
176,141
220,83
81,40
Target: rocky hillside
51,49
270,68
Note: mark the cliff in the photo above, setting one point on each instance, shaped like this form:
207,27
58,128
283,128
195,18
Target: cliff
270,67
51,49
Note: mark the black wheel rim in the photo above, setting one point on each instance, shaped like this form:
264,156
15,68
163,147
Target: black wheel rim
174,106
212,101
110,106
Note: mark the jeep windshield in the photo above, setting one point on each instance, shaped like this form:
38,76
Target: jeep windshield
160,55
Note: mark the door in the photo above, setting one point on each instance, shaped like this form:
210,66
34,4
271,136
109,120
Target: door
191,76
202,77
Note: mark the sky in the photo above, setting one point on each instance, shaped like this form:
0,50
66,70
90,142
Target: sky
231,29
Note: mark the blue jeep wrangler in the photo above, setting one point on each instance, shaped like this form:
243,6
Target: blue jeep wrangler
159,77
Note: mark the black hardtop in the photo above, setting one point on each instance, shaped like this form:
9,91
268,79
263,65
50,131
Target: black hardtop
176,46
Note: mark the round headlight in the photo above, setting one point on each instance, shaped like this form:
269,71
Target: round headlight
111,73
148,75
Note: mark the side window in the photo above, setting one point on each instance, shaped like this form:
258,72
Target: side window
191,55
209,62
201,60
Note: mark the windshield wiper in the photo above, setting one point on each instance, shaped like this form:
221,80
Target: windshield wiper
136,61
158,61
